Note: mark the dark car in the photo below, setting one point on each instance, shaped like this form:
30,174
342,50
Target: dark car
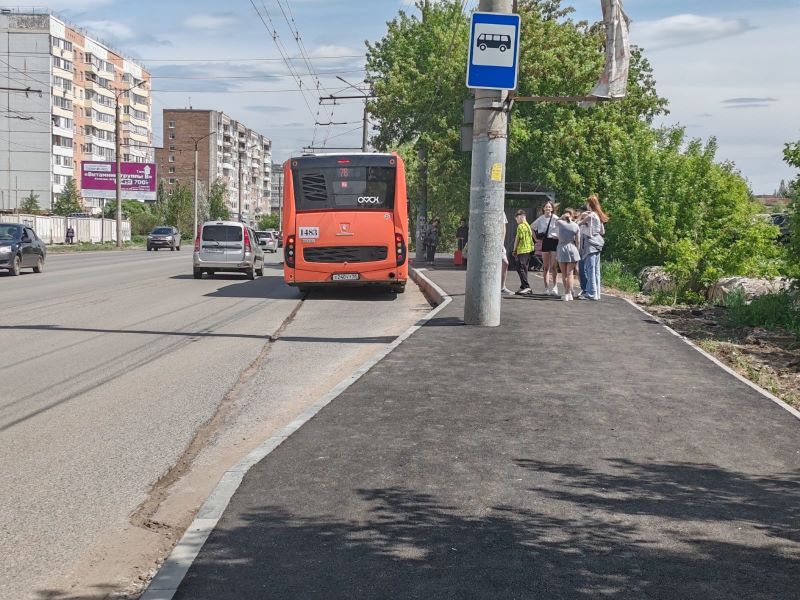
164,237
21,248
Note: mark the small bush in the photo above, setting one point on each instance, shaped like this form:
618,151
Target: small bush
772,311
616,275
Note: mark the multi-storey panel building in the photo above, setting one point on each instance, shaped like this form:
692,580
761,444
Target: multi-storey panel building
226,150
68,116
276,201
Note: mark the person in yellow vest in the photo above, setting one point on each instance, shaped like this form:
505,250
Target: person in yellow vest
523,248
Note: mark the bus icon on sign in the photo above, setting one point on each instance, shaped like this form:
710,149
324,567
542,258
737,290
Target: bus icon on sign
489,40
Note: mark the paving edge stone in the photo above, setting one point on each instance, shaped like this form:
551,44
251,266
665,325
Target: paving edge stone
169,577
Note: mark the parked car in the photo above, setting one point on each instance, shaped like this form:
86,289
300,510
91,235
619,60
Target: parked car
227,246
21,248
164,237
268,240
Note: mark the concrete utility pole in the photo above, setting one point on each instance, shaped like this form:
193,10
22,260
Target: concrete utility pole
118,146
241,185
196,142
422,209
487,199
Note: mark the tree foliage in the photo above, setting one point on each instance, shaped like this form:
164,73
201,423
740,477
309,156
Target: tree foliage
30,204
179,209
791,154
69,200
217,207
672,203
271,221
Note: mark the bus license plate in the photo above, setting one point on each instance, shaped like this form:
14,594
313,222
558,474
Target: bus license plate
345,277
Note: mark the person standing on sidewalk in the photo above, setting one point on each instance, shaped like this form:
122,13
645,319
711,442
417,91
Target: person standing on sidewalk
432,240
592,224
462,234
546,230
504,257
523,248
568,254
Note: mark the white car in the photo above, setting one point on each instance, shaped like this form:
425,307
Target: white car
226,246
268,240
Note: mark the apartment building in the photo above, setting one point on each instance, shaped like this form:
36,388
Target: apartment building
67,114
276,200
226,149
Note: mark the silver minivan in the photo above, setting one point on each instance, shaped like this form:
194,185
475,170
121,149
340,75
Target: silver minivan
227,246
268,240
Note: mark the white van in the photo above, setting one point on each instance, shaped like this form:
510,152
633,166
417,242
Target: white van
227,246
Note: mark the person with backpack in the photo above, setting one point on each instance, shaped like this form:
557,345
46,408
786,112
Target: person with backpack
592,226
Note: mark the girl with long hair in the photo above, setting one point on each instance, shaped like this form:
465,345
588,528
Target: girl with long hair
592,226
567,253
545,228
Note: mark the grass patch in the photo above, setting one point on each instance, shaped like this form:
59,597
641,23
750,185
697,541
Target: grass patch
772,311
89,247
616,275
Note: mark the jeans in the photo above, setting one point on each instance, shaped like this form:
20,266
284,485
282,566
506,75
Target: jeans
523,260
431,250
590,272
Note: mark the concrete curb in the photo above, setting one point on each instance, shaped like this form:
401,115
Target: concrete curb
171,574
794,412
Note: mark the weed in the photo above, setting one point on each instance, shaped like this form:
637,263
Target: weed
772,311
615,274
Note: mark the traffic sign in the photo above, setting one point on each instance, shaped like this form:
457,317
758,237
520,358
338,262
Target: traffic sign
493,51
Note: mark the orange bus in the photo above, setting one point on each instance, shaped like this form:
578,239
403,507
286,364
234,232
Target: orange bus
345,221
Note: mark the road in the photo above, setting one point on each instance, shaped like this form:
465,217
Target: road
128,388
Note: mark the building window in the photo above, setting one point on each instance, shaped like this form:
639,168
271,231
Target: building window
172,158
172,124
172,181
172,136
171,170
172,147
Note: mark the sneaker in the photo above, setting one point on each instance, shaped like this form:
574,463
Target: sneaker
564,298
554,291
569,297
524,291
505,290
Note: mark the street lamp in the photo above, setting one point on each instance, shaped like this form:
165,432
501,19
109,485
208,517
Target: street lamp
196,142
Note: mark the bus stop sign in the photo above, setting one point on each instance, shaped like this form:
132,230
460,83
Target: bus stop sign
493,51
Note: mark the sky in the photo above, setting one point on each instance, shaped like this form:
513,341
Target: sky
727,67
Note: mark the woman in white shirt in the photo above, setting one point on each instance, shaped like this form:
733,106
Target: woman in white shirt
545,229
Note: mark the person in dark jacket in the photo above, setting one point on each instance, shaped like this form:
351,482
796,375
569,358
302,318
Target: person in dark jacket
70,234
462,234
432,240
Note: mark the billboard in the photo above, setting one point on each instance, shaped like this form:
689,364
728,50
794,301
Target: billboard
99,180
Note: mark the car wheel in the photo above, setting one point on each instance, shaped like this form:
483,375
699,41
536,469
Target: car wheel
251,273
197,273
39,268
260,272
210,273
16,265
172,248
482,46
149,248
178,248
156,249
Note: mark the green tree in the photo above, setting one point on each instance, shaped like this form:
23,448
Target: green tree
179,210
30,204
271,221
69,200
791,154
217,207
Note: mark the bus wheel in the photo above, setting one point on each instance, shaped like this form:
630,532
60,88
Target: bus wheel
399,288
197,273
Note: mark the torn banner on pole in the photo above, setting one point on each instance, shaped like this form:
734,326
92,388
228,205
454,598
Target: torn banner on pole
614,81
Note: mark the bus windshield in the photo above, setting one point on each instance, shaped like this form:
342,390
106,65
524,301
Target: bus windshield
344,187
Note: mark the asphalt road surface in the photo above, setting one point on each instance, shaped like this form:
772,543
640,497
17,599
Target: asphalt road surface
111,363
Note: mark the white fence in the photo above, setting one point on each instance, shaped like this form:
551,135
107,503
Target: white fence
53,230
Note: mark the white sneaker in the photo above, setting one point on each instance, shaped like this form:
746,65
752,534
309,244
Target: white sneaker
505,290
569,297
554,291
564,298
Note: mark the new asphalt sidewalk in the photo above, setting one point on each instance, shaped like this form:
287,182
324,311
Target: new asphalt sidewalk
580,451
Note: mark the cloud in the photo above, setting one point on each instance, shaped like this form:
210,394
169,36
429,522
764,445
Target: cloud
67,4
268,109
749,100
113,30
210,22
685,30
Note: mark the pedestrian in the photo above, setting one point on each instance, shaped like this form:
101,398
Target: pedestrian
567,253
592,224
504,258
432,240
70,234
462,234
546,230
523,248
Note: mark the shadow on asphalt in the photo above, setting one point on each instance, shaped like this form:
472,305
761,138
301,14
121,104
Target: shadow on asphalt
238,286
353,294
601,543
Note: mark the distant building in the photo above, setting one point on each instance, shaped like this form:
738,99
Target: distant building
47,136
277,187
226,149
